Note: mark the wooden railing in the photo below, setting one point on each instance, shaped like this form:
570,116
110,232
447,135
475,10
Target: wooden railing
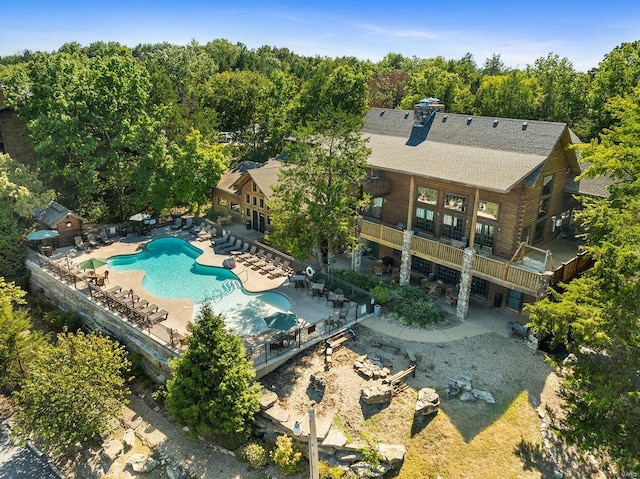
571,268
496,270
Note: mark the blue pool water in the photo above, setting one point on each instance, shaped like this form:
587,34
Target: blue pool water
171,272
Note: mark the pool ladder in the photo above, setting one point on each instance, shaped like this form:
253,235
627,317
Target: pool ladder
228,286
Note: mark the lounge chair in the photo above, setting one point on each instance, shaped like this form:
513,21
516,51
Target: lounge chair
177,224
104,238
188,224
204,234
239,251
262,263
79,243
255,258
283,270
271,266
158,316
249,254
236,247
223,239
228,244
91,239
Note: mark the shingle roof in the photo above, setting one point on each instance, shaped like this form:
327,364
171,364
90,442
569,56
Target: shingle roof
489,153
52,215
266,176
588,186
232,175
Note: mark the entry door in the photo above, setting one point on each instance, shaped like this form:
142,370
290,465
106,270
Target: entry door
514,300
255,221
262,223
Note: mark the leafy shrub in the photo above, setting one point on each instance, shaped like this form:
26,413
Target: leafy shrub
360,280
256,455
327,471
285,456
61,320
381,293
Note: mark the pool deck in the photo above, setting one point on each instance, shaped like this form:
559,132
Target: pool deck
307,308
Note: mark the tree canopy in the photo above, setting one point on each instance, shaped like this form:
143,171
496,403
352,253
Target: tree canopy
213,390
73,389
597,315
317,200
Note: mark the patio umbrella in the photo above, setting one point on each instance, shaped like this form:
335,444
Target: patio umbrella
92,263
140,217
42,235
281,321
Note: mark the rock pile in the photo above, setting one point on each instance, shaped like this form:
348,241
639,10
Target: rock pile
377,394
461,387
370,367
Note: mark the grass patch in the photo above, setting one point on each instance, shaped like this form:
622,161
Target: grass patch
509,446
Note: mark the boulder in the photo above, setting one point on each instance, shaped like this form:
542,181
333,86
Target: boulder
142,463
457,386
318,381
378,394
392,453
428,402
364,469
277,414
175,472
129,437
467,396
267,399
483,396
111,450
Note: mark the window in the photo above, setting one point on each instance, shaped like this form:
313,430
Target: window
425,220
248,213
247,198
485,235
375,208
448,275
427,195
479,287
421,265
543,209
261,202
488,209
255,201
455,202
254,187
547,185
452,227
375,174
235,207
222,202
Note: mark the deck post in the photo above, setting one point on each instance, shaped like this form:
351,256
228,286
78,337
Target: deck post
405,261
465,284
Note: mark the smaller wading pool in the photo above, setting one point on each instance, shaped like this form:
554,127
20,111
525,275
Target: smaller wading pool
172,272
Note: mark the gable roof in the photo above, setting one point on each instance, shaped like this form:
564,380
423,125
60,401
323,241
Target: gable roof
52,215
232,175
266,176
489,153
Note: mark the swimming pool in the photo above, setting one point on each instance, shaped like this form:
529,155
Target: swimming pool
171,272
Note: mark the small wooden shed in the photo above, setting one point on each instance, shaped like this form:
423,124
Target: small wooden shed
57,217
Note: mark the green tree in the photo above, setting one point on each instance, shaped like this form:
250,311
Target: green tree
617,75
597,314
13,254
513,95
197,166
93,135
73,390
494,66
18,345
20,188
213,390
317,200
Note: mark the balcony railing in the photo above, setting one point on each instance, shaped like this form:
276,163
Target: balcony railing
491,269
377,186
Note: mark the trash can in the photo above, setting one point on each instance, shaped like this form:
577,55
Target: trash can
376,310
248,224
497,300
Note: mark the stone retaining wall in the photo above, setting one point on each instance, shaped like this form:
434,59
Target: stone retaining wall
155,356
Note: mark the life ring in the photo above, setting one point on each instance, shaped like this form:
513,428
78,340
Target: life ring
310,271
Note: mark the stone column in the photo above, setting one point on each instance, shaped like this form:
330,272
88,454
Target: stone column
465,284
356,257
405,261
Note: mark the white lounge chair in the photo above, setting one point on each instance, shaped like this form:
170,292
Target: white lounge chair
188,224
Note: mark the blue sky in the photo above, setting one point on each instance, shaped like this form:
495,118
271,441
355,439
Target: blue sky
520,31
